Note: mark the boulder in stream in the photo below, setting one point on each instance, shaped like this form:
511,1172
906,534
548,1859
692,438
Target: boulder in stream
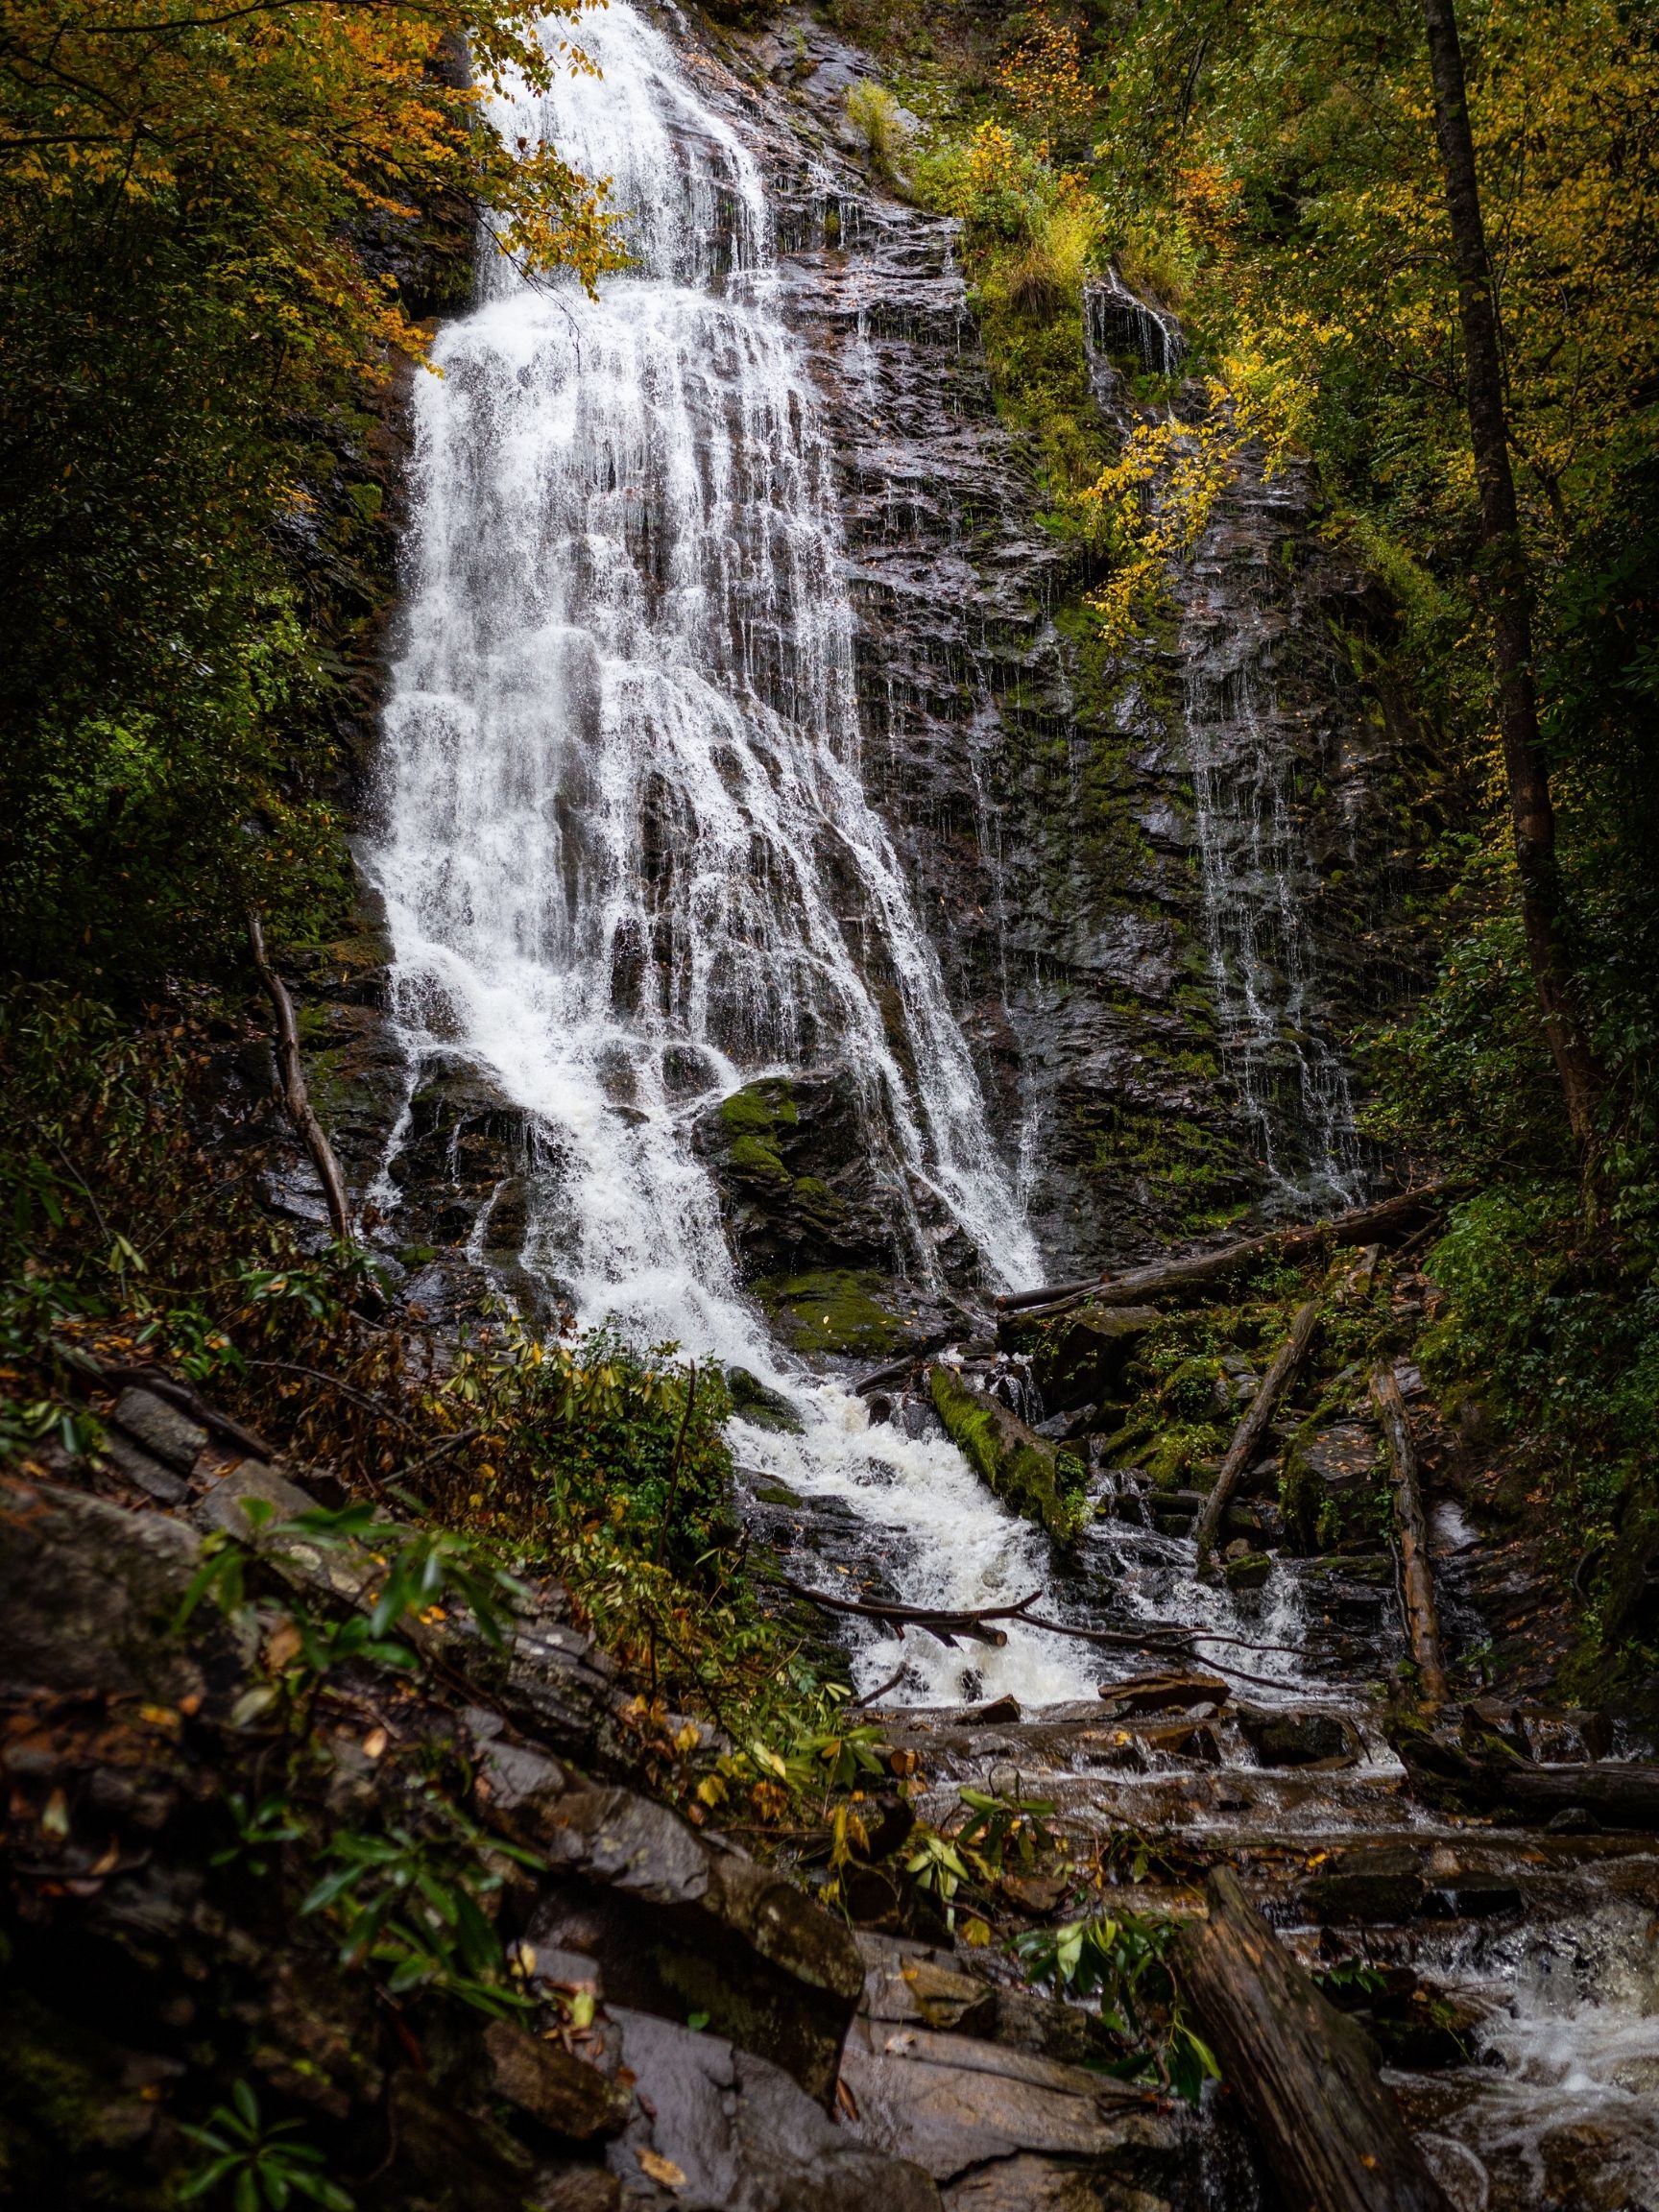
1079,1358
1170,1693
1291,1735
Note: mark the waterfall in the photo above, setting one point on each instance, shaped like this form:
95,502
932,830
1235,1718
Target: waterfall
627,858
1119,321
1255,874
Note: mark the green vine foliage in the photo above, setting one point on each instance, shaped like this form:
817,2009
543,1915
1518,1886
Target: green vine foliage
258,2167
1125,1963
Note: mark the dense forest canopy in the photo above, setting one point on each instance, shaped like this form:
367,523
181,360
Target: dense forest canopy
204,215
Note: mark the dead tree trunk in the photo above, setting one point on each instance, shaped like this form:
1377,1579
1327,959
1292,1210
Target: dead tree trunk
1531,809
1358,1226
1497,1784
1303,2072
1417,1575
1254,1426
295,1095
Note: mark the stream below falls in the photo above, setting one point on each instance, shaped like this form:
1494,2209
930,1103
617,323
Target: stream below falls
629,866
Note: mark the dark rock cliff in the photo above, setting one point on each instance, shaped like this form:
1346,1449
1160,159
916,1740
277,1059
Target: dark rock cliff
1159,884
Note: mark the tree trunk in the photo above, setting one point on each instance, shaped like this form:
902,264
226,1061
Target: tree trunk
1254,1426
1304,2073
295,1095
1531,811
1358,1226
1422,1618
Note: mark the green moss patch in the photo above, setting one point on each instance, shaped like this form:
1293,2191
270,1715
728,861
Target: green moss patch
1042,1484
834,1310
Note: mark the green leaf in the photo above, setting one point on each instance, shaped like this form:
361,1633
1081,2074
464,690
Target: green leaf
209,2178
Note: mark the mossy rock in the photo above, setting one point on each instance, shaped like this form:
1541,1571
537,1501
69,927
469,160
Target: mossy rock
757,1159
1330,1490
1248,1573
1079,1359
759,1108
752,1123
1044,1484
797,1184
753,1402
834,1310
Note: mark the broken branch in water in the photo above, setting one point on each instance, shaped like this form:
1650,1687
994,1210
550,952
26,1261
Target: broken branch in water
1157,1636
1254,1427
938,1620
1422,1620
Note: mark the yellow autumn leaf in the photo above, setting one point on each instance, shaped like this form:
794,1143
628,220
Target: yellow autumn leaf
663,2170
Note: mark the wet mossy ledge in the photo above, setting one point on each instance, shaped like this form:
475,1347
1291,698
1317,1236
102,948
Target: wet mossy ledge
835,1310
1036,1480
800,1187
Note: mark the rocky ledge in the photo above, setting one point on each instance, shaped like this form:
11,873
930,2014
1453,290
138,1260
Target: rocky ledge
196,1822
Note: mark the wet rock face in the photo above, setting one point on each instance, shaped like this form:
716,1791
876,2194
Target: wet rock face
1043,797
800,1187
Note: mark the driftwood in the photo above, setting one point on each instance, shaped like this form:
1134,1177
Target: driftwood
1417,1575
1303,2072
1609,1793
295,1095
1251,1429
977,1626
1362,1225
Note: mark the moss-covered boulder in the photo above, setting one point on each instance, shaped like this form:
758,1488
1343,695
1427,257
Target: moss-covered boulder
1331,1487
1079,1359
753,1401
837,1309
796,1176
1031,1476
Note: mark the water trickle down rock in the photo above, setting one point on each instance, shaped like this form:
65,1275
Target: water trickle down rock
1093,911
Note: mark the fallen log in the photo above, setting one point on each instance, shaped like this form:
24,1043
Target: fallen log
1494,1781
907,1364
1304,2073
979,1626
295,1095
1417,1574
1361,1225
1250,1431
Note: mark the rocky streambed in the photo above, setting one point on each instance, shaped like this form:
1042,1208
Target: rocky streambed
706,2033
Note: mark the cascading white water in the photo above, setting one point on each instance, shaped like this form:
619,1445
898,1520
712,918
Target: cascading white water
627,860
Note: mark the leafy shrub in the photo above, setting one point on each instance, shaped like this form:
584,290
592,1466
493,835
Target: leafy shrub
880,121
1124,1961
